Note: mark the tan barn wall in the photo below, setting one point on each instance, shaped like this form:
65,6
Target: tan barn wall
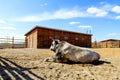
113,44
108,44
32,40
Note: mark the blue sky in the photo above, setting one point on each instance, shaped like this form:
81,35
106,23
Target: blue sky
100,17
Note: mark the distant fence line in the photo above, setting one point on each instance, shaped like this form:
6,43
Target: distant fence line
12,43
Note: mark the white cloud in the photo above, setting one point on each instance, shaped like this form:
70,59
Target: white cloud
112,34
10,34
106,7
116,9
7,28
85,27
97,12
59,14
44,4
5,34
93,10
67,13
101,14
2,21
29,19
117,17
73,22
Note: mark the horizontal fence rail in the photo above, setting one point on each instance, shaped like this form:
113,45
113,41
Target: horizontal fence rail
11,43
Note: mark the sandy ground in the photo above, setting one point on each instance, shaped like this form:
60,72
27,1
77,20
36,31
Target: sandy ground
27,64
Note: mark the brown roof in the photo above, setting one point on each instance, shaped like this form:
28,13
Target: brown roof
110,40
54,29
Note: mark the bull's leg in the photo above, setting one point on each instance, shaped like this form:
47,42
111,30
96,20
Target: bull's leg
52,59
49,59
56,58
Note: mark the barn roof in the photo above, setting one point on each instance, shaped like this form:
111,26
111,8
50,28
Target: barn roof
110,40
36,27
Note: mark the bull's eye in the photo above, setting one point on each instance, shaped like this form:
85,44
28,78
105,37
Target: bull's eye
56,42
51,44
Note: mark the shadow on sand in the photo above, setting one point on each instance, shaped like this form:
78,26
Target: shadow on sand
17,71
95,63
101,62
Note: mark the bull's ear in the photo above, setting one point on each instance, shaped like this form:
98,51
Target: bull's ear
57,41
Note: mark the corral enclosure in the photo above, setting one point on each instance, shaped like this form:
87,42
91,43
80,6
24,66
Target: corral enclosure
39,37
28,64
11,43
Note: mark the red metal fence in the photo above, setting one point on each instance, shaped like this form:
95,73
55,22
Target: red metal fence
11,43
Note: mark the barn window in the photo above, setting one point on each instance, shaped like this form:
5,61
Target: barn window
76,38
66,38
83,39
57,37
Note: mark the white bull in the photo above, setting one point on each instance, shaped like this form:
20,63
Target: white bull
65,52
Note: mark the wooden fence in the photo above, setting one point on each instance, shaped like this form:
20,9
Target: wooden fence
11,43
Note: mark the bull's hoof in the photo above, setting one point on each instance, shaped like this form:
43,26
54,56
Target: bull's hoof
45,60
49,59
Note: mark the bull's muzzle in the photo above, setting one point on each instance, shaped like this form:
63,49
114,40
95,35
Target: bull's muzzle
52,50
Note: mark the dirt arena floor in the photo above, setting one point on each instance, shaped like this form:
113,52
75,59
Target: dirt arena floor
28,64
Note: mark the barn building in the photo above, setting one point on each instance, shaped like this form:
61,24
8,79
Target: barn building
39,37
110,43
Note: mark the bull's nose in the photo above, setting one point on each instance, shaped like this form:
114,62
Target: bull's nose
52,49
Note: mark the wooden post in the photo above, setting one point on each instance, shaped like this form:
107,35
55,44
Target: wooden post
7,42
25,43
95,44
13,42
106,44
119,43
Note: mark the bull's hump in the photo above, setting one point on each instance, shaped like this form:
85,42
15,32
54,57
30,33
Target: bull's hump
66,45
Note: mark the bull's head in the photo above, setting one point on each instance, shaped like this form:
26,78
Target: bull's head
54,45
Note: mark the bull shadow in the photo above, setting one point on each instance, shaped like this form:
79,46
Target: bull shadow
95,63
17,71
100,62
